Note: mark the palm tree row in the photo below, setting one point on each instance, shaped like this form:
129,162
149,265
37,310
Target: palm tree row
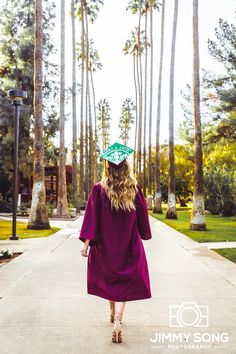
38,218
136,47
89,61
92,123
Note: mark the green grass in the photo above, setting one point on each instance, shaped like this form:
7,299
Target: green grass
229,253
22,231
219,228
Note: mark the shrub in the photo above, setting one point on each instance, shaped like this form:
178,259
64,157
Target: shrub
220,195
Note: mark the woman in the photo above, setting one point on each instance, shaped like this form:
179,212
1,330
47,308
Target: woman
115,221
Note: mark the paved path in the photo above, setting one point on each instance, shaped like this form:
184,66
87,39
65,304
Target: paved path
45,309
215,245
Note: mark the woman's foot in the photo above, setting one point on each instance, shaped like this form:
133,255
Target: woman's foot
116,332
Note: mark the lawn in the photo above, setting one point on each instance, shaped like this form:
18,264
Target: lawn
229,253
22,231
219,228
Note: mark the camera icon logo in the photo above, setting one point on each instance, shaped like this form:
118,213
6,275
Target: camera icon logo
188,314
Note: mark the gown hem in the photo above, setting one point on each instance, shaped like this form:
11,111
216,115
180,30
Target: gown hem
120,300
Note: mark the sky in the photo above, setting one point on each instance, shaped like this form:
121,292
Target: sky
115,81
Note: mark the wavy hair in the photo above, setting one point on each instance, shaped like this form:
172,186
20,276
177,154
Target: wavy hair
120,186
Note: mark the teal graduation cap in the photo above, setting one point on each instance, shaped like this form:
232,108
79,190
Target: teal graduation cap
116,153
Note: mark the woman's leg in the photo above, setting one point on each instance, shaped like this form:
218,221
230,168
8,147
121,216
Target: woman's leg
116,333
112,310
112,306
119,307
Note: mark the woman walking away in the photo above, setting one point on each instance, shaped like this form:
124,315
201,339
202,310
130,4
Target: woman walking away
114,225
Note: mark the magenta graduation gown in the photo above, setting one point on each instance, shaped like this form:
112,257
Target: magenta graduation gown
117,267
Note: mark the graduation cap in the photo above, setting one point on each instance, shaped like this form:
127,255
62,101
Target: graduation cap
116,154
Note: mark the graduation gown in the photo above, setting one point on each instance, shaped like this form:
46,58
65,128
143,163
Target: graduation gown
117,267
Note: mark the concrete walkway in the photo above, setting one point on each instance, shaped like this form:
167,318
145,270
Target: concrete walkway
45,309
216,245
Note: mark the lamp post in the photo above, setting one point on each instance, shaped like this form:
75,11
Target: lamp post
17,100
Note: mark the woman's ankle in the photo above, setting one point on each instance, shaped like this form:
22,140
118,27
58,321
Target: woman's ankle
118,315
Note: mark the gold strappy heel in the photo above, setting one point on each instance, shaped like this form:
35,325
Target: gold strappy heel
116,332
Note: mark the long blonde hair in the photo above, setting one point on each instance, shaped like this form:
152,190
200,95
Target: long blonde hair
120,186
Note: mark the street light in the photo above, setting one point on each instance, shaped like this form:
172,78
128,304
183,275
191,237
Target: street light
17,100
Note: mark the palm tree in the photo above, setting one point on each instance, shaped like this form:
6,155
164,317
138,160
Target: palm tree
136,47
104,119
89,129
152,3
171,211
198,212
38,218
138,7
81,180
62,205
158,198
140,84
131,47
126,119
149,6
74,118
88,10
93,64
145,104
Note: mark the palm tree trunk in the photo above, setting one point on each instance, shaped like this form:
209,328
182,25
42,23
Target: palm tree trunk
139,157
86,174
81,180
126,133
171,211
86,141
62,205
136,115
145,111
38,218
198,212
74,122
91,162
158,198
95,177
150,112
90,127
137,143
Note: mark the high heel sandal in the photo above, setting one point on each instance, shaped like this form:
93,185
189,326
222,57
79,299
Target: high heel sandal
112,308
116,332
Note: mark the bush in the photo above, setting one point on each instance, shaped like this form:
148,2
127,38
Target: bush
6,253
220,195
5,206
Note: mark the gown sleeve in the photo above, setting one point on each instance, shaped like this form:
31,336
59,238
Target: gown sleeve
90,228
143,223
